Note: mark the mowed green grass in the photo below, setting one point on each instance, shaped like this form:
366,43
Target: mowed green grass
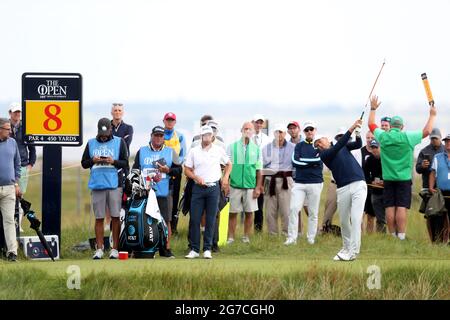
263,269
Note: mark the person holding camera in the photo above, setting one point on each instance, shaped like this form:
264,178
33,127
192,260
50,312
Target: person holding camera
158,158
423,167
105,155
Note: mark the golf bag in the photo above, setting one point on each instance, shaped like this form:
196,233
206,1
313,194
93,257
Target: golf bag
141,234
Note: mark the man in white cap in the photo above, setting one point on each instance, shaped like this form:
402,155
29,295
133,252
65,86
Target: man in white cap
27,152
308,185
218,141
351,188
260,139
215,139
203,166
277,158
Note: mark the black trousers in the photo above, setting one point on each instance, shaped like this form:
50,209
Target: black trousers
175,187
259,215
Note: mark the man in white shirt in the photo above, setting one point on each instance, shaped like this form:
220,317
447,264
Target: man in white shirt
203,165
261,139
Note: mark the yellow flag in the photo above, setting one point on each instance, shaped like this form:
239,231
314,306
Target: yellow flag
223,225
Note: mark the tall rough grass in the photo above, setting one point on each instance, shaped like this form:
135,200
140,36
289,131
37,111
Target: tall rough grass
263,269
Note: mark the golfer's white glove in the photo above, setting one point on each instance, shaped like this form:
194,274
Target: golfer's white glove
358,131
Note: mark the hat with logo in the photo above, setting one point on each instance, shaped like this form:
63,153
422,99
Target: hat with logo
435,133
104,126
374,144
206,129
14,107
447,137
170,115
396,121
158,130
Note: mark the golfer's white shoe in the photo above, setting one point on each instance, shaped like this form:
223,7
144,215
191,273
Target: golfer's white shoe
230,240
98,254
344,255
290,241
114,254
311,241
207,254
245,239
192,255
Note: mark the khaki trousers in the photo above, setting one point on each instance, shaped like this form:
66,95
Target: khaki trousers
278,206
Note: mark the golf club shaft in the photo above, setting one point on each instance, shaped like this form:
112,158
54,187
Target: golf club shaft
373,87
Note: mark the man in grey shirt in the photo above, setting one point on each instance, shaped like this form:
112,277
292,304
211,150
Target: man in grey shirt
9,186
277,168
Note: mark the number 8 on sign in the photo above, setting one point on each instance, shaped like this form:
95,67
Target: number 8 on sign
56,122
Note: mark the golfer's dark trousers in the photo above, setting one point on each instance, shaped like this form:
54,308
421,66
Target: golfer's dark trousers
259,216
203,198
175,190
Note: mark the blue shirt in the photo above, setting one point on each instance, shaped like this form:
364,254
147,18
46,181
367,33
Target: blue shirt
342,163
307,163
9,162
278,158
441,166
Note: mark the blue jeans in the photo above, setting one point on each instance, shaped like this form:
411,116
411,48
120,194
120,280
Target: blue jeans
203,199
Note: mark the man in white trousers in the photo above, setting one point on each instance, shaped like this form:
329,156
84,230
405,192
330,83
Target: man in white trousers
351,188
308,185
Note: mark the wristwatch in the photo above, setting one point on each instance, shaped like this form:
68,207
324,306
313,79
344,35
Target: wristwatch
16,184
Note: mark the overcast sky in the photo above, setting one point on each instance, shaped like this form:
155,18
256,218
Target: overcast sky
278,53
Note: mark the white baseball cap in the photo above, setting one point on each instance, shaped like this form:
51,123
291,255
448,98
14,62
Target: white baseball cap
257,117
318,137
14,107
342,131
212,124
279,127
206,129
309,123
